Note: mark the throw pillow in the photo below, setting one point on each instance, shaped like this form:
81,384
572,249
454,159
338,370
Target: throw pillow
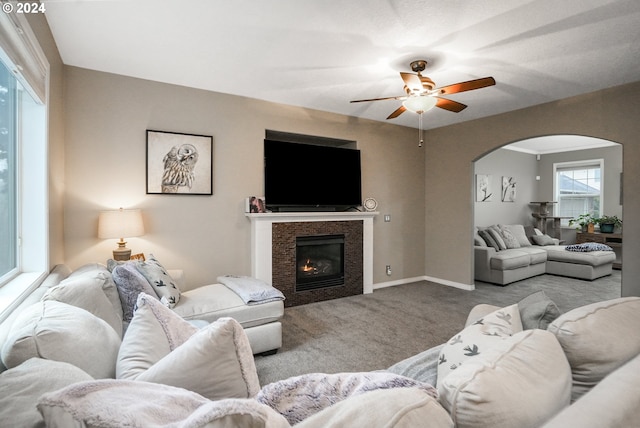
519,232
497,236
537,311
521,382
389,408
157,276
130,284
542,240
598,339
22,385
488,238
588,247
120,403
509,238
215,361
299,397
477,240
422,367
477,338
88,292
109,287
57,331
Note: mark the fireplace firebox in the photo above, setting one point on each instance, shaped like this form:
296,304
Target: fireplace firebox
319,262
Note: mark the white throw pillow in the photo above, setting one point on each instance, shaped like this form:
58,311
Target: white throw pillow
21,386
389,408
121,403
57,331
521,381
215,361
157,276
597,339
90,292
477,338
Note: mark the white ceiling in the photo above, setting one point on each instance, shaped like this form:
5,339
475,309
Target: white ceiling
321,54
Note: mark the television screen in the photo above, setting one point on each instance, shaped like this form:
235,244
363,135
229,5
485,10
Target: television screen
305,175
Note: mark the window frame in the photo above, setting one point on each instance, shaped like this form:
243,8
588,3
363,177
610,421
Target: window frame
576,165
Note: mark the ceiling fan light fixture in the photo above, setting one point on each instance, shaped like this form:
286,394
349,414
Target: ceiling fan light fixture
420,104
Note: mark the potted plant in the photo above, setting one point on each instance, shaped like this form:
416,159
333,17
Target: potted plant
609,223
583,220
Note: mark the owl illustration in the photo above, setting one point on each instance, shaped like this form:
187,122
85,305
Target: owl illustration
179,164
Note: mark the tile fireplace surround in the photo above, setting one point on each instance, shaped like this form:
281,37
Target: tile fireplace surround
267,226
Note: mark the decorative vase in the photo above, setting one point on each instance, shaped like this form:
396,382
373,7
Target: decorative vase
607,227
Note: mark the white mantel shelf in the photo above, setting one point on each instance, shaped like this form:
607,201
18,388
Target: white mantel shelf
261,236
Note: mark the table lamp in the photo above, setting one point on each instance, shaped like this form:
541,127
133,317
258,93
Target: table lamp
120,224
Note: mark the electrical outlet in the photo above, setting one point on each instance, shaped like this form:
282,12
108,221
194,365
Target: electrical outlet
389,270
387,218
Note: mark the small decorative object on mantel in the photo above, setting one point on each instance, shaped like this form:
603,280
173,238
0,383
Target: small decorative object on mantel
370,204
255,204
179,163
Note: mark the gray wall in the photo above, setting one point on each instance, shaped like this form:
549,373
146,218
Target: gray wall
509,163
451,151
105,121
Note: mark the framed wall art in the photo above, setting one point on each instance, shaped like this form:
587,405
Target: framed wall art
179,163
508,189
483,188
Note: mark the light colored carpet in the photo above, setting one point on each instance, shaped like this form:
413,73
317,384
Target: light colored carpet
374,331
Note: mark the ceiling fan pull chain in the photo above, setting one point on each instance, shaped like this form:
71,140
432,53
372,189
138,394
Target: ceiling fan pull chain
420,139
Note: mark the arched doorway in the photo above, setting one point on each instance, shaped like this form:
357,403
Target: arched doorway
530,167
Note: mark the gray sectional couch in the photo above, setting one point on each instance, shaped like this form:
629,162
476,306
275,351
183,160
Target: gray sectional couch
507,253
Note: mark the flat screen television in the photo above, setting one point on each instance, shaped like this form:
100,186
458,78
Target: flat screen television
305,176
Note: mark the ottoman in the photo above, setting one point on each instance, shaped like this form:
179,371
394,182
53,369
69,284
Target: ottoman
590,265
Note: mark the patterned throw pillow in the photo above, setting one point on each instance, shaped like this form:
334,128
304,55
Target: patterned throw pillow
509,238
587,247
130,284
157,276
477,338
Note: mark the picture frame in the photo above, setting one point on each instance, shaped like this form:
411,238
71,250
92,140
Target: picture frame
508,189
179,163
484,192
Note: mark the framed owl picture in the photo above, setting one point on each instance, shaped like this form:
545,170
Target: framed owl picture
179,164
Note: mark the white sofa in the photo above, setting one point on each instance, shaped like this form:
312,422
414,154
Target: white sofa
521,258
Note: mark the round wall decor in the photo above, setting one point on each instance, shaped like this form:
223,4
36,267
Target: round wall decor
370,204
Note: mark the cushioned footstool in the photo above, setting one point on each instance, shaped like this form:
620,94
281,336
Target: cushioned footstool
261,322
588,265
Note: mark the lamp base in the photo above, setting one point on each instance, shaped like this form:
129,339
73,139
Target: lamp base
121,254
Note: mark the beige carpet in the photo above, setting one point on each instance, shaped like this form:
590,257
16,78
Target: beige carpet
374,331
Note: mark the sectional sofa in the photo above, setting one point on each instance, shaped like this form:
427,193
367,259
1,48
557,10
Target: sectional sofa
507,253
523,365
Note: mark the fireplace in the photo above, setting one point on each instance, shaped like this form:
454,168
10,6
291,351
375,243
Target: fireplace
319,262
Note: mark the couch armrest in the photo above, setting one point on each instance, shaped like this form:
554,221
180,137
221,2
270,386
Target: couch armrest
482,256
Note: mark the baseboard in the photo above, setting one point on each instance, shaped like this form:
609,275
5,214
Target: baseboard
424,278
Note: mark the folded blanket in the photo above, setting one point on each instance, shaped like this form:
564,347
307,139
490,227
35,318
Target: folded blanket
251,290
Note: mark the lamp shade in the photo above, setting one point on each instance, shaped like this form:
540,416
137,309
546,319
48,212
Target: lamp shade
120,224
420,104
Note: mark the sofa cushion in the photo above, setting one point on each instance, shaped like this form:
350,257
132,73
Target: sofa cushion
389,408
486,235
57,331
21,386
91,292
536,254
521,382
518,231
598,338
165,287
537,311
109,288
511,259
130,284
477,338
111,403
300,397
594,258
496,234
542,240
215,361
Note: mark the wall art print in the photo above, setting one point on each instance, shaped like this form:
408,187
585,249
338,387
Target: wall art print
179,163
483,188
508,189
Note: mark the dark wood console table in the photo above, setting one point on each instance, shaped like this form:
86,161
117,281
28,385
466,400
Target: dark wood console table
614,240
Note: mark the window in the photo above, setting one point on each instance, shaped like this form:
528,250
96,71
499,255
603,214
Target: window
578,188
8,176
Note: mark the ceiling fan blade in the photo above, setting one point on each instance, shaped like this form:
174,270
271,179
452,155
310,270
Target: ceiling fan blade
397,112
450,105
467,86
400,97
412,81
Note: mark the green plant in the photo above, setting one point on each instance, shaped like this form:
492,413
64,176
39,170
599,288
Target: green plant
609,219
582,220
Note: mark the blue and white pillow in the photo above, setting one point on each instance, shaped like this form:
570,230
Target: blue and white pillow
587,247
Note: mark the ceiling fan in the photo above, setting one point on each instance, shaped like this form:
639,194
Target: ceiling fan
422,95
